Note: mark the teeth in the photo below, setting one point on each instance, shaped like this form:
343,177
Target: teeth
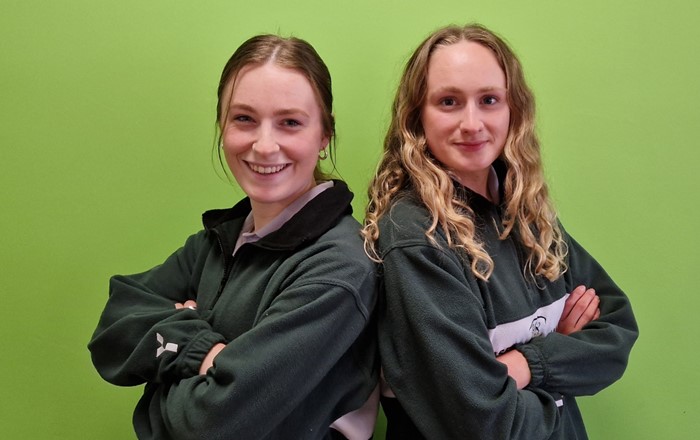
268,169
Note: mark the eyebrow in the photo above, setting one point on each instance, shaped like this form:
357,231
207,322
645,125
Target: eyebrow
281,112
451,89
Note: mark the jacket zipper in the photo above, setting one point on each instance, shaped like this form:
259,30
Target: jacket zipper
228,266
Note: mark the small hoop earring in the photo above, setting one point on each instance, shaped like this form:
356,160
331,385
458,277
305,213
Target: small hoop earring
323,154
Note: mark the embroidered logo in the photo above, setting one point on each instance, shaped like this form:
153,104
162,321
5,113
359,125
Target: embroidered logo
537,326
168,347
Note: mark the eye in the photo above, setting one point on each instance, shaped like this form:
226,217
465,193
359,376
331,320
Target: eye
448,102
291,123
490,100
242,118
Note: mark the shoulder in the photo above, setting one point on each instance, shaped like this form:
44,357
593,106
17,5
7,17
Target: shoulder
337,260
344,240
582,267
405,222
200,241
405,212
574,249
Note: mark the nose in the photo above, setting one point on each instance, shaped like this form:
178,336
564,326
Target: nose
471,119
265,143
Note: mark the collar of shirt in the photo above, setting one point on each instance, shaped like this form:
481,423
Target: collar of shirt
247,234
494,186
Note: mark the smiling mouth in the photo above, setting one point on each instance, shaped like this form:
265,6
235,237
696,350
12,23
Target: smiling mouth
269,169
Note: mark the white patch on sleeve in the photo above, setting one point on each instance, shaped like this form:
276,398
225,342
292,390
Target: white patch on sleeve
167,347
540,323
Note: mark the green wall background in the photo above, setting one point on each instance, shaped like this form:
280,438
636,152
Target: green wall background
106,129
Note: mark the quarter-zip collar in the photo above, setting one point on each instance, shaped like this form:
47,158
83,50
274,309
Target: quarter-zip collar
305,225
479,203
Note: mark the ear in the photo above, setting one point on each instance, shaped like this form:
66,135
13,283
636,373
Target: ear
326,137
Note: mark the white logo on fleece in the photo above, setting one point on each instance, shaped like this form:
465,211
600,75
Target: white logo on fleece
168,347
539,323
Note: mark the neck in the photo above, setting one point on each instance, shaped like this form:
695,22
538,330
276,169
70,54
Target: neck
265,212
478,184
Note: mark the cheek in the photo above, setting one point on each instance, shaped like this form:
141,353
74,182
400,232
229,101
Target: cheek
305,147
428,123
308,153
231,160
228,151
505,123
437,124
505,130
498,125
234,142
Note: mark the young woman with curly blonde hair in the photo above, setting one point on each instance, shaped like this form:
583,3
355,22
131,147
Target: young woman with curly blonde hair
492,317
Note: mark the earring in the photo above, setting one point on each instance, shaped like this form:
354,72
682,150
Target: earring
323,154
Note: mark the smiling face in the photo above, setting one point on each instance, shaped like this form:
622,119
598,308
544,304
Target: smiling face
465,115
272,135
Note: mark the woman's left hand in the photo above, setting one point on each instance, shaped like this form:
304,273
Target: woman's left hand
208,361
190,304
581,307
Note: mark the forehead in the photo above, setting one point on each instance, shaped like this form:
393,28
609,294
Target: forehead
271,85
466,63
272,79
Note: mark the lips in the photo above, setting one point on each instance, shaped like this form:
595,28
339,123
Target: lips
471,145
266,169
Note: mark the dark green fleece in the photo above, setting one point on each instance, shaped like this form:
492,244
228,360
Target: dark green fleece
294,308
439,324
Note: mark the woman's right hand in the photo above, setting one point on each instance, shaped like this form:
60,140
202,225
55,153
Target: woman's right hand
208,361
581,307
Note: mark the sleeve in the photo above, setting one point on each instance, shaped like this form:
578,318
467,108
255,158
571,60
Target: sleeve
591,359
434,347
128,346
267,373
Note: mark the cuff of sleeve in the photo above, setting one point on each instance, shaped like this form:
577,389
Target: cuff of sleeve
191,359
536,362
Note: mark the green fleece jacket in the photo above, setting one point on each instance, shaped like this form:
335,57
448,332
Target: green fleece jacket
294,308
441,328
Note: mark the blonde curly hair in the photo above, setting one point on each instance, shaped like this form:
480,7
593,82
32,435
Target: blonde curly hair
408,167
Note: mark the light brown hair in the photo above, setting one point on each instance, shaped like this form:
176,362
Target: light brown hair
291,53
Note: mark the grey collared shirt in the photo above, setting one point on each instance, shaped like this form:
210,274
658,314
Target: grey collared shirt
249,235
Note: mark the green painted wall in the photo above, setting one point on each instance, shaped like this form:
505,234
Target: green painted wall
106,127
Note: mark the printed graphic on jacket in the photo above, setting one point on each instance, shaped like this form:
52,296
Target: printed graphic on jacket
540,323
